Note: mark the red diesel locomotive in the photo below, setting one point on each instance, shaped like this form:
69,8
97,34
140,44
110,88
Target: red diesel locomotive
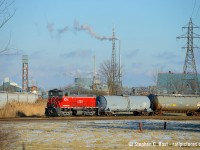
60,104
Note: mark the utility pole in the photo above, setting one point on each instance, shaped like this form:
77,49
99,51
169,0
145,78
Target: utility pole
190,78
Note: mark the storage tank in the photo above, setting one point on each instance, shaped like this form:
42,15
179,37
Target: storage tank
123,103
175,102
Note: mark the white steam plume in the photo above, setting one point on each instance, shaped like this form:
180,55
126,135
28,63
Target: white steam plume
90,31
58,32
50,27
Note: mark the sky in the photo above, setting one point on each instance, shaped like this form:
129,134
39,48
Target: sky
61,37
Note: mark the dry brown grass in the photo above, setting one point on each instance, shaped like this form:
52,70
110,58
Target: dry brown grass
23,109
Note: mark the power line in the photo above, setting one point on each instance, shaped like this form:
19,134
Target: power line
197,10
193,8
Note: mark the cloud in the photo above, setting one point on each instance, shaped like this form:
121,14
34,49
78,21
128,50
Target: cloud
133,53
166,56
137,65
77,54
36,55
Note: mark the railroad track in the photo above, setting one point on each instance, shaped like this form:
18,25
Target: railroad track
78,118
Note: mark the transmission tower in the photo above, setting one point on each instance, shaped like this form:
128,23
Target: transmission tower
190,78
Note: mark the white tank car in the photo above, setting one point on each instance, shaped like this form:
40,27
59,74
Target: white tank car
177,103
118,104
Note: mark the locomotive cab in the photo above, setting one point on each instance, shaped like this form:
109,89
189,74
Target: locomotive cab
55,92
54,96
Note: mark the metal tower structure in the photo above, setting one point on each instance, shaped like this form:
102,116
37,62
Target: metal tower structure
120,68
190,78
25,73
113,61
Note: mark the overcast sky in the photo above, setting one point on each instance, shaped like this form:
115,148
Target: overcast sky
61,37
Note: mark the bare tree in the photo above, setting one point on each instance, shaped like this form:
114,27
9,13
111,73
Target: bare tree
106,73
107,76
5,15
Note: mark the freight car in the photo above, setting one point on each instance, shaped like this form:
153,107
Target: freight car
189,104
136,105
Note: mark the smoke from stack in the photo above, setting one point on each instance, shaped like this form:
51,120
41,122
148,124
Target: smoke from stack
77,27
50,27
90,31
59,32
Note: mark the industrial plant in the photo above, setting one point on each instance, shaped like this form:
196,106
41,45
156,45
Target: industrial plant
186,82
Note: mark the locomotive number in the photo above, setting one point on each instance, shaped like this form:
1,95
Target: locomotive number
80,101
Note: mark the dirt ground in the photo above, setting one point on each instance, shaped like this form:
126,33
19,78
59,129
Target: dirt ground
100,134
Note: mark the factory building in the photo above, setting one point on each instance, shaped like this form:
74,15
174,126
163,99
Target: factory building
9,86
87,84
172,83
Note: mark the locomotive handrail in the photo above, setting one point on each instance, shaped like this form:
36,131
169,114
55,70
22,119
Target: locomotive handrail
52,100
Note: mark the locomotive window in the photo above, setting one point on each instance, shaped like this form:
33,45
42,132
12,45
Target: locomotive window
51,93
60,93
55,93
